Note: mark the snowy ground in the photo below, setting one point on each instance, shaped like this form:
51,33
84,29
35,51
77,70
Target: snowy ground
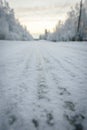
43,86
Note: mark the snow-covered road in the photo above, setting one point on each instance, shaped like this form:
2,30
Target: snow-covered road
43,85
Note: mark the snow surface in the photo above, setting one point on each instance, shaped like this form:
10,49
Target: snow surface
43,85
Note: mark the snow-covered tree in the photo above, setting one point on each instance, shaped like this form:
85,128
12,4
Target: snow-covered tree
45,35
68,31
10,28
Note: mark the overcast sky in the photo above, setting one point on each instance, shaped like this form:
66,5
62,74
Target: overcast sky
38,15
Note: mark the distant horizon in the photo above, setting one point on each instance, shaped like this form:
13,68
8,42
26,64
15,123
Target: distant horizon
38,15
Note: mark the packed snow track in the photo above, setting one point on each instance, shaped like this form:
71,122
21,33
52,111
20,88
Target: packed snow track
43,85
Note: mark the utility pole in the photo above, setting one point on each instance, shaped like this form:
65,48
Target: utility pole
78,36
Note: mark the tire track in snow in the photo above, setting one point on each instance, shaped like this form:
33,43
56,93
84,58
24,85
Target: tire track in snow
42,87
75,120
55,81
47,91
54,76
67,68
76,50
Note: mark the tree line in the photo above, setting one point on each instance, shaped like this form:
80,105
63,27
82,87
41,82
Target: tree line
10,28
73,29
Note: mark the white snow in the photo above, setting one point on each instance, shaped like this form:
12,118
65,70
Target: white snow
43,85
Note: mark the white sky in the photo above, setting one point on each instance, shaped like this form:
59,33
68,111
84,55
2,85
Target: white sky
38,15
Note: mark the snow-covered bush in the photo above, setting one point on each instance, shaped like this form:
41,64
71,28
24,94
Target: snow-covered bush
10,28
